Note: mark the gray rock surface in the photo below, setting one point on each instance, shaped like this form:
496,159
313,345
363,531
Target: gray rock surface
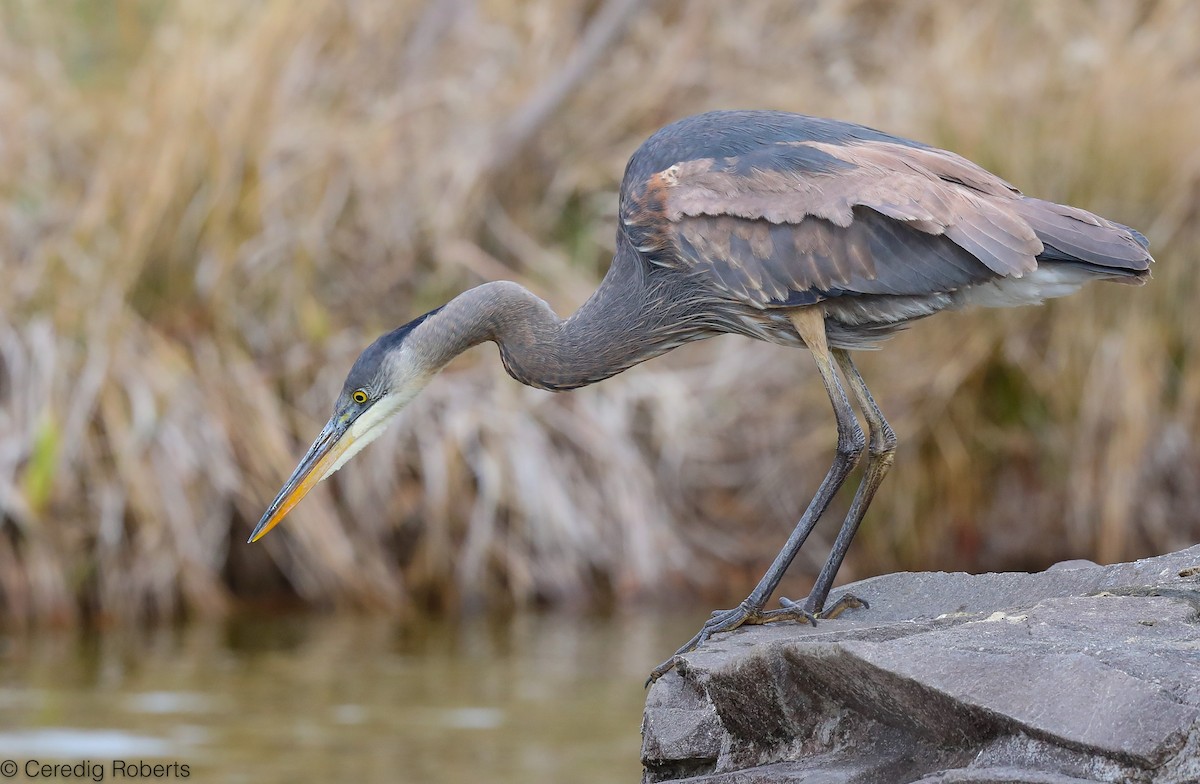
1081,673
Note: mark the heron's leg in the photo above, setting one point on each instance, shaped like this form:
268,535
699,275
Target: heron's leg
879,459
810,324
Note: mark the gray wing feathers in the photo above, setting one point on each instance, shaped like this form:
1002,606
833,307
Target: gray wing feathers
785,225
1072,234
792,264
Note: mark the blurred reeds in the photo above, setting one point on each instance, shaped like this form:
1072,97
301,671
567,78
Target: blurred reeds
208,208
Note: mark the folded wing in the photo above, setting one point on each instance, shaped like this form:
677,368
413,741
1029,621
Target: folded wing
795,222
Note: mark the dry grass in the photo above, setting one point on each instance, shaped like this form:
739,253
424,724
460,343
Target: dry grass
203,222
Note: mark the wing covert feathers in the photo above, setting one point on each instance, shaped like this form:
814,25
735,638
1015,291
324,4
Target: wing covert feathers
796,222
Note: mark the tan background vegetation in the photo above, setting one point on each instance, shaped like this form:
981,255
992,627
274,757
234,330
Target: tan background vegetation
208,208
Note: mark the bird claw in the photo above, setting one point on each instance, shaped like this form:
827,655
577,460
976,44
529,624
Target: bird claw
846,601
728,620
745,615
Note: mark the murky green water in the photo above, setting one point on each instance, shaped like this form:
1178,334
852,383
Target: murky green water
532,699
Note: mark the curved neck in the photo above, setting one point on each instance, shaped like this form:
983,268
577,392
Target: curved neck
618,327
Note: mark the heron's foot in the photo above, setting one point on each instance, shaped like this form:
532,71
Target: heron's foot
846,601
728,620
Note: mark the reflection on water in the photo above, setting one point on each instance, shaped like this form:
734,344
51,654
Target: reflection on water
533,699
59,743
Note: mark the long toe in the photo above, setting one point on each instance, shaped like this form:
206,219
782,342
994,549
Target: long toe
806,608
790,611
846,601
718,621
728,620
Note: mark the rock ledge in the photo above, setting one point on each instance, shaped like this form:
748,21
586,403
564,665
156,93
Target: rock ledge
1081,673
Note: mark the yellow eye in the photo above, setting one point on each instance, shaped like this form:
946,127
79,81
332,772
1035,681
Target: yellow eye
359,396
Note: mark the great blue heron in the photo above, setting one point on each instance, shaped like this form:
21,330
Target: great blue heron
785,228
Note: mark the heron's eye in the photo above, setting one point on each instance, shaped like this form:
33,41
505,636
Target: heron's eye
359,396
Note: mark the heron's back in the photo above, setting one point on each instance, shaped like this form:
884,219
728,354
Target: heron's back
770,211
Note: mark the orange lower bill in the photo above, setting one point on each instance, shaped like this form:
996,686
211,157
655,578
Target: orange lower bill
302,484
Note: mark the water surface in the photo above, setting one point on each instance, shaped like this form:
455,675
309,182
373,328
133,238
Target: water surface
323,698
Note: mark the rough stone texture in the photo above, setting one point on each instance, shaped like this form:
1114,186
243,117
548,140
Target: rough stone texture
1081,673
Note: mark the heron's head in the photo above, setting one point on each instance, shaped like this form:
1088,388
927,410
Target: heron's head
385,377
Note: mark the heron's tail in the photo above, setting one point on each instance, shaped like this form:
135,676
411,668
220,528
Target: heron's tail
1087,242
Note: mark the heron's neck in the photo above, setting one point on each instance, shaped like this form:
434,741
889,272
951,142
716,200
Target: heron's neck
615,329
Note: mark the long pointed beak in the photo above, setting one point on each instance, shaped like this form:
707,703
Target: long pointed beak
323,455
